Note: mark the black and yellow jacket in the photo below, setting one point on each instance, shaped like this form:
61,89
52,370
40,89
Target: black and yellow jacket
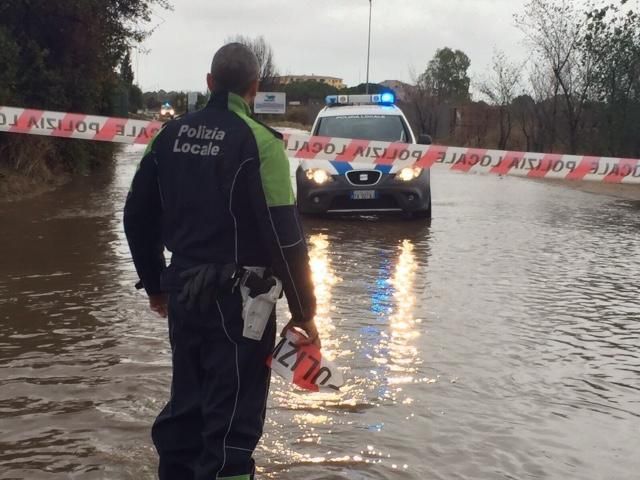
214,186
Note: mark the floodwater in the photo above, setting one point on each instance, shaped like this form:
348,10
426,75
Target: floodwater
501,342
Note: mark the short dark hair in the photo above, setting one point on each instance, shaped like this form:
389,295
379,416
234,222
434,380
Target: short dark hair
234,68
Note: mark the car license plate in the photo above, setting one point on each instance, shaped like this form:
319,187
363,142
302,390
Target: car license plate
363,195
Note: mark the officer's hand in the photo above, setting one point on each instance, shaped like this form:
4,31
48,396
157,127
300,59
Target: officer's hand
158,304
313,337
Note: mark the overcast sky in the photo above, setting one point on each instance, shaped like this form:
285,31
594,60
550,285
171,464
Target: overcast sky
327,37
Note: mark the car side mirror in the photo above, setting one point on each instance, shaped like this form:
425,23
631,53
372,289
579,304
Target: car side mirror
425,139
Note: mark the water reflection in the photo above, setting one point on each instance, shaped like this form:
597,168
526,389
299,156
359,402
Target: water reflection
392,341
324,279
376,347
310,414
403,325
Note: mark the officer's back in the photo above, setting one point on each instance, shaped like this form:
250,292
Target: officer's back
205,178
214,188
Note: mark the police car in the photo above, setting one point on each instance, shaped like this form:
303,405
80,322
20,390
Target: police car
167,111
347,188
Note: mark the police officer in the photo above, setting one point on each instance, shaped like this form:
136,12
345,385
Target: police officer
214,188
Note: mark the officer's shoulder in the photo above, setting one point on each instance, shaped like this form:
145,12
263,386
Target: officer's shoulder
171,126
264,129
168,125
179,119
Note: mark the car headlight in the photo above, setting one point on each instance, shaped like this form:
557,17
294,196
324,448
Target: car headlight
318,175
409,173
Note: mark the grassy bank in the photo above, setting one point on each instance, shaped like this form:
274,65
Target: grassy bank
622,191
31,165
17,186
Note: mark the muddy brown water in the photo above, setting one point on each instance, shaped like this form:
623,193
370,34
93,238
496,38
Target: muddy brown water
501,342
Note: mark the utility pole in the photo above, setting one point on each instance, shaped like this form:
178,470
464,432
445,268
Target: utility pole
368,48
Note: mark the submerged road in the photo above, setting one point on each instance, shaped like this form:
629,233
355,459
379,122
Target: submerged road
501,342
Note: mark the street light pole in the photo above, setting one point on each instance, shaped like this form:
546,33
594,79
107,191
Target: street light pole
368,48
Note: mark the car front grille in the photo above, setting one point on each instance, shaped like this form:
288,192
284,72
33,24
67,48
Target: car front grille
363,177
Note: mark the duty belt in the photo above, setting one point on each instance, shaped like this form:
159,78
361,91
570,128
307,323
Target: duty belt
203,284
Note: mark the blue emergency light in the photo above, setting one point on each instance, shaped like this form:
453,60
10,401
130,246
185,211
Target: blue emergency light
386,98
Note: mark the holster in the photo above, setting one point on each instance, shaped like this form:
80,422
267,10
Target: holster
259,297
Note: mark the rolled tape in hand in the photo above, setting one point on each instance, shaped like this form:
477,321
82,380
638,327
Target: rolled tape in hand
303,365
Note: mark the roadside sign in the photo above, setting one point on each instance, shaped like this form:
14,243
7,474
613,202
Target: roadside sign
192,100
270,102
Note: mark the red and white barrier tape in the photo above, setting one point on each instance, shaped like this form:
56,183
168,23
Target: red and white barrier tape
303,147
76,125
533,165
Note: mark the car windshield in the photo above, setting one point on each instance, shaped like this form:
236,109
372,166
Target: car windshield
384,128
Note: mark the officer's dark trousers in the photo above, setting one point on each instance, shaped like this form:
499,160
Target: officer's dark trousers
215,416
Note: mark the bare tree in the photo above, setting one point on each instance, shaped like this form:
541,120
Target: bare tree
555,29
539,112
264,52
501,89
523,110
613,40
424,104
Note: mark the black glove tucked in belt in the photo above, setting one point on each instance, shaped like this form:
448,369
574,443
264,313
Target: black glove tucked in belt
203,284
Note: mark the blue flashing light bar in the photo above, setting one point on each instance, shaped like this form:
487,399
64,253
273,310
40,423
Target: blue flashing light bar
386,98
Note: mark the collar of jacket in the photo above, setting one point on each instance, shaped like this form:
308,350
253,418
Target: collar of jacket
230,101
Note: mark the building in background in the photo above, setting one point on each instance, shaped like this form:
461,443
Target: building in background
332,81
